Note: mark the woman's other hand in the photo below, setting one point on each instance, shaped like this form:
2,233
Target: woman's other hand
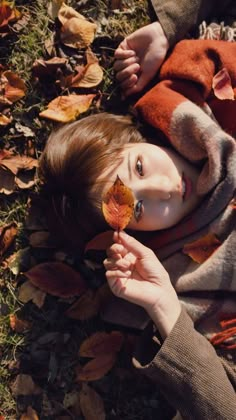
139,56
134,273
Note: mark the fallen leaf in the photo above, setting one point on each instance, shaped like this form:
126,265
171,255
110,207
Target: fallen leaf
91,404
28,292
5,120
16,163
24,385
67,108
7,181
19,325
118,205
7,236
76,31
19,260
57,279
100,242
222,85
30,414
96,368
91,75
85,307
201,249
12,87
49,67
101,343
8,14
71,400
54,7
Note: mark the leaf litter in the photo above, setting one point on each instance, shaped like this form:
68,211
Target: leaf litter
59,359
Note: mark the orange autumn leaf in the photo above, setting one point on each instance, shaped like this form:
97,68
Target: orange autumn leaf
4,120
67,108
91,404
96,368
91,75
8,13
201,249
76,31
7,236
57,279
42,68
30,414
222,85
19,325
101,343
12,87
118,205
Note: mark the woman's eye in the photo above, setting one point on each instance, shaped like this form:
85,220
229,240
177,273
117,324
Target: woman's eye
139,167
138,210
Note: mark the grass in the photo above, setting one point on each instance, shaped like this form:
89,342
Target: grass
49,351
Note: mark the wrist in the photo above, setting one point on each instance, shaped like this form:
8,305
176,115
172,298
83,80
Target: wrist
165,314
160,34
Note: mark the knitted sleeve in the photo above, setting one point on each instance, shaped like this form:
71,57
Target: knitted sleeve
191,375
178,18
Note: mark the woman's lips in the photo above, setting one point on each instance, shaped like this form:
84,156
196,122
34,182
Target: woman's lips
187,187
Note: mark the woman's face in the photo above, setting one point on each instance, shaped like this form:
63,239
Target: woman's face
163,184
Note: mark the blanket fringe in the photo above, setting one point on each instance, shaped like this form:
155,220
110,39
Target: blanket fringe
227,337
217,31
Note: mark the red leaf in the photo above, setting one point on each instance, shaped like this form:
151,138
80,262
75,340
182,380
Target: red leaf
118,205
101,343
201,249
101,241
57,279
222,86
96,368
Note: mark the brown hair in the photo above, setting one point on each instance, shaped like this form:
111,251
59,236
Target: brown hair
74,157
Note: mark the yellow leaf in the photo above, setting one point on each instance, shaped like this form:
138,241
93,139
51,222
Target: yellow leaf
67,108
76,32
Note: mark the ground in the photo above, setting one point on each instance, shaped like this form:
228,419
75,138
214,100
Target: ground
39,344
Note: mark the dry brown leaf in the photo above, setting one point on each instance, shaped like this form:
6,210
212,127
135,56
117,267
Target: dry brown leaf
76,31
29,292
25,179
54,7
48,67
96,368
57,279
7,236
16,163
101,343
201,249
30,414
91,404
85,307
12,87
19,325
118,205
92,76
67,108
24,385
222,85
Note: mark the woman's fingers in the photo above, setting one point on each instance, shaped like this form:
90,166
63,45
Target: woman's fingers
127,72
122,64
129,82
114,264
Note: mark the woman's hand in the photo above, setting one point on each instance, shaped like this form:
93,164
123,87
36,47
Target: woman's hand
135,274
139,56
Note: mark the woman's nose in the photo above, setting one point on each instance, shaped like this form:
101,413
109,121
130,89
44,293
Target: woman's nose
156,188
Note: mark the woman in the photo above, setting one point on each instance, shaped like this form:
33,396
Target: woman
184,191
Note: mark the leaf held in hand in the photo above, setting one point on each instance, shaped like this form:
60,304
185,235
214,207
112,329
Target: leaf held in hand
201,249
118,205
222,85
